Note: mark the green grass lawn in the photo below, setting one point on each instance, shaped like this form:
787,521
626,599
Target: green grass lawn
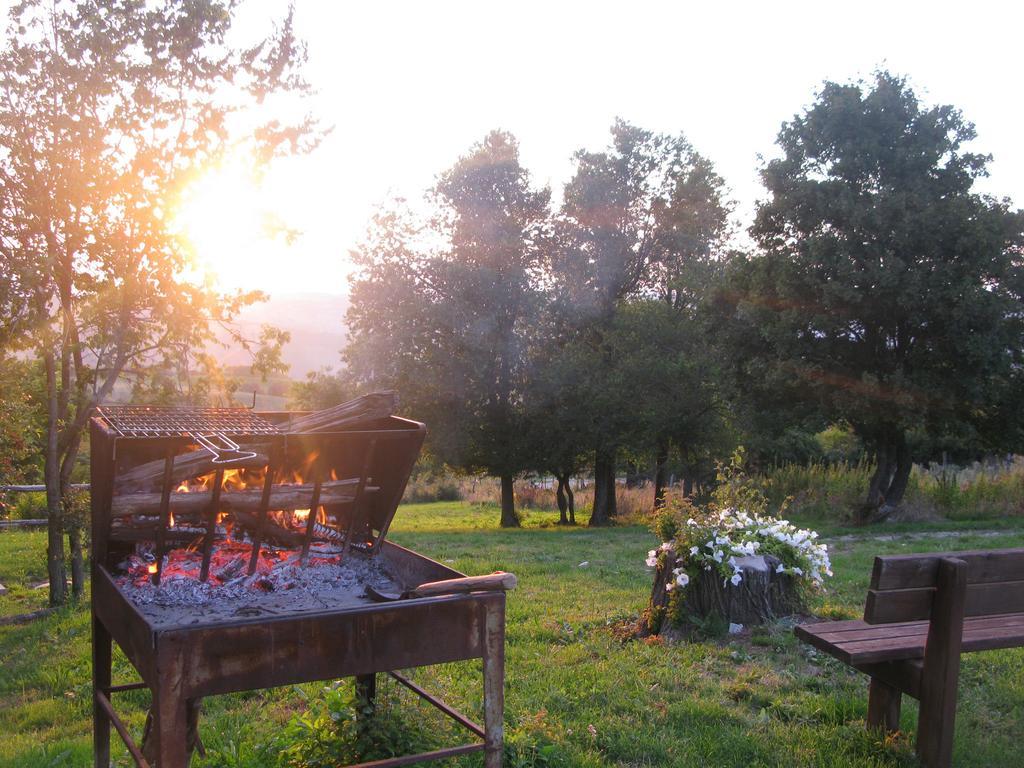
576,695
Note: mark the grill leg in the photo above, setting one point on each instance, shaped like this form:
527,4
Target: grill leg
101,668
366,695
494,682
171,725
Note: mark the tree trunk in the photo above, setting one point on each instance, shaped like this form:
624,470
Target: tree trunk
688,486
73,518
660,471
77,560
509,519
54,502
904,463
604,488
571,499
880,480
563,504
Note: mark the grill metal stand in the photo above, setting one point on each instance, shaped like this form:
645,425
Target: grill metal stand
184,663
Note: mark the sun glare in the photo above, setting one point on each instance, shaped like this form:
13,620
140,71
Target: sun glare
226,219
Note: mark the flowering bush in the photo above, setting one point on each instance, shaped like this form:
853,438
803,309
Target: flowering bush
709,543
712,542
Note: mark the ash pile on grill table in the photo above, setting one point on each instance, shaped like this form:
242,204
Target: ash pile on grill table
288,589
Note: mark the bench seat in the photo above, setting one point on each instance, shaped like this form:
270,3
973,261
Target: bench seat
856,642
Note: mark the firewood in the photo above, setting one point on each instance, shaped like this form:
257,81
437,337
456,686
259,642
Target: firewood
186,466
281,497
362,410
272,532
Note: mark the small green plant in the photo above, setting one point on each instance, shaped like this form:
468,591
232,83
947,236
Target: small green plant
338,729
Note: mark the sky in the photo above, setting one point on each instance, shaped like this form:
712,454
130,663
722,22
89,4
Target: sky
410,86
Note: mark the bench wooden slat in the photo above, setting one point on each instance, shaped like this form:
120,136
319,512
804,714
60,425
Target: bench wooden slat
860,630
916,571
904,605
873,643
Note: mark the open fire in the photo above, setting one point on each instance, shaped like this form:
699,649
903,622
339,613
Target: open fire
285,561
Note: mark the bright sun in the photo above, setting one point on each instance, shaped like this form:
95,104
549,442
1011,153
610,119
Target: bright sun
228,221
248,231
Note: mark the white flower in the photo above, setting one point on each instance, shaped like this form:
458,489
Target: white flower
780,568
719,554
682,578
736,579
652,558
694,550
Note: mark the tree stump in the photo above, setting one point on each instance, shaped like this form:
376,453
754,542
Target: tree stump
762,596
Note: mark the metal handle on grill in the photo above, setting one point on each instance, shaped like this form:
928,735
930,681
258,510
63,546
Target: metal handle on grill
228,452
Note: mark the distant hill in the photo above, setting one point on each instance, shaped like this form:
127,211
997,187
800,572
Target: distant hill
315,321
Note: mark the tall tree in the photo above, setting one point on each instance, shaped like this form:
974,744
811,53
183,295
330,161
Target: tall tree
450,327
642,218
888,294
106,108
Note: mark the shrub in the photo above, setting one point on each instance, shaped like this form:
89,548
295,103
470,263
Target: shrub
819,490
427,489
23,506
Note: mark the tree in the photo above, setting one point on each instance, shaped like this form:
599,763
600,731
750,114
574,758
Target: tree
888,294
107,109
21,423
642,219
321,389
445,313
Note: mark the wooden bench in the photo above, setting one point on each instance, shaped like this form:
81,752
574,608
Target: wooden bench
922,612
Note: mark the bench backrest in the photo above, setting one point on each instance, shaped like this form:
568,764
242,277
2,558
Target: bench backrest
903,586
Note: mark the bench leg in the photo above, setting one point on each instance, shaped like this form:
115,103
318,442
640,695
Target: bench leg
935,730
941,671
883,706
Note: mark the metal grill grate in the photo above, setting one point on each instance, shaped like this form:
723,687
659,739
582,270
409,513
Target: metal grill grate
161,421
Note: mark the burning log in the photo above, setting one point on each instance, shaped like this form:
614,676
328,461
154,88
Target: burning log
248,500
186,466
368,408
273,532
269,530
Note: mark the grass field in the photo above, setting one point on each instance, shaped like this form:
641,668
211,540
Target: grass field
576,695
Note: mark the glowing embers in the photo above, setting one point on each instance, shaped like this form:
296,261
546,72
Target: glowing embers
280,583
229,565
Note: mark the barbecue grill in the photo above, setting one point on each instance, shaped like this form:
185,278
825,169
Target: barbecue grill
196,513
